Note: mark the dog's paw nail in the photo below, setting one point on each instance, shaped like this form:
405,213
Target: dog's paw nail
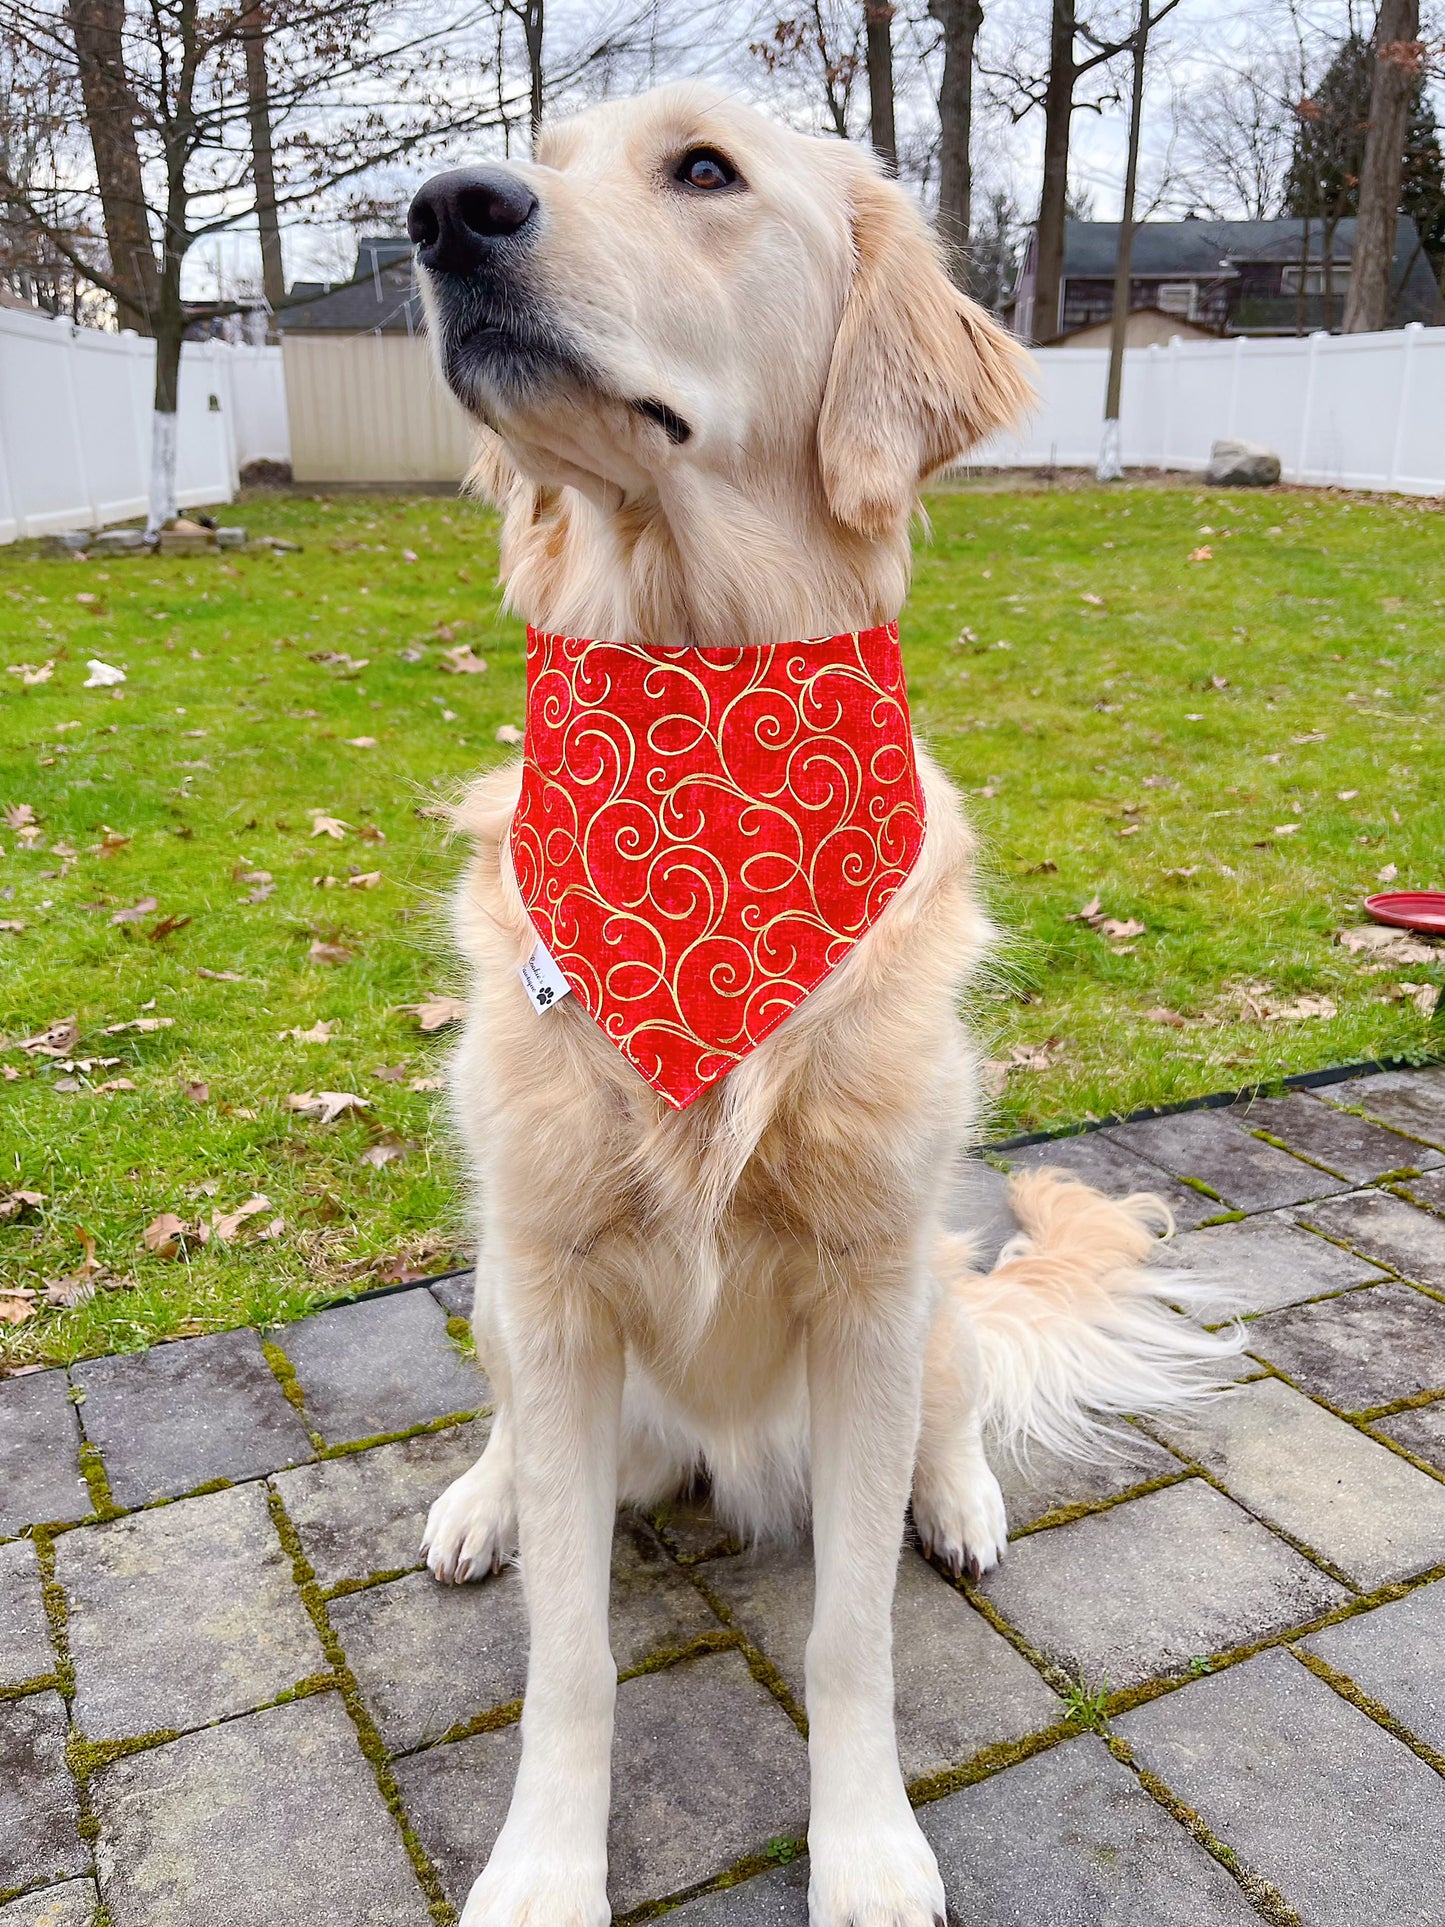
972,1570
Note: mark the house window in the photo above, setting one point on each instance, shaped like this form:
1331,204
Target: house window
1178,297
1313,278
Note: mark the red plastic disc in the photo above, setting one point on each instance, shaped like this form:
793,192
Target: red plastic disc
1422,910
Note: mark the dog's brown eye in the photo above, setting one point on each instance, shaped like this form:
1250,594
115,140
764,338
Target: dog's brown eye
705,168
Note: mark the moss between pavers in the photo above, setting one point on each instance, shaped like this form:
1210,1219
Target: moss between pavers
759,1665
284,1373
459,1331
424,1430
1263,1895
1065,1515
92,1470
372,1746
1379,1713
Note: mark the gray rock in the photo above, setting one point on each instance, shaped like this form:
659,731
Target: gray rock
272,1821
71,1904
1350,1146
1396,1654
1215,1148
1388,1230
1421,1432
1360,1350
40,1451
1139,1591
1047,1483
1319,1479
118,541
1071,1839
364,1513
1260,1264
707,1769
25,1651
230,538
1103,1160
1234,464
69,542
1344,1820
182,1615
1409,1101
380,1365
184,1414
428,1657
959,1686
39,1807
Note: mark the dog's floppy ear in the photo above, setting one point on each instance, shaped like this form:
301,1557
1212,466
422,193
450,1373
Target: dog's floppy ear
919,372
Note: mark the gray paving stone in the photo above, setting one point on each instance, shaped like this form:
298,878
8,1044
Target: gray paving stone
455,1294
1311,1794
39,1809
1318,1478
1049,1482
25,1650
270,1821
182,1615
1265,1262
364,1513
1363,1349
1102,1159
380,1365
1396,1654
40,1451
1421,1432
958,1685
1429,1190
428,1656
777,1899
1071,1839
1351,1146
1387,1229
1138,1591
1215,1147
976,1205
71,1904
1409,1101
707,1768
184,1414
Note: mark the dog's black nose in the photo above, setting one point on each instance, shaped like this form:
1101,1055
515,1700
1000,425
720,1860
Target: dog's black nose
457,219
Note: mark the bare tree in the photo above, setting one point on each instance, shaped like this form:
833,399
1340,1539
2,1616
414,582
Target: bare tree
258,92
960,21
1235,130
878,26
353,85
1399,58
824,47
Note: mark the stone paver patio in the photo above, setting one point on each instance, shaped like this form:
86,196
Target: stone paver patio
1206,1687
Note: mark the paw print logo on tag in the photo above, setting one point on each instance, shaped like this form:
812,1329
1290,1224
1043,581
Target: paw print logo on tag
545,995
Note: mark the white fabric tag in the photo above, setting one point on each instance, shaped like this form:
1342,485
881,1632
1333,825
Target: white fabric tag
542,980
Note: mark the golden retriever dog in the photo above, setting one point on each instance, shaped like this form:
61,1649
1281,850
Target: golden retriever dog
712,361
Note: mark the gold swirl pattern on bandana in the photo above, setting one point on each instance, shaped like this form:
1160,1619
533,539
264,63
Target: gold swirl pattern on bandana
703,834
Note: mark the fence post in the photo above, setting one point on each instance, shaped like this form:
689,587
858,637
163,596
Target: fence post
1413,331
1232,416
1311,364
72,408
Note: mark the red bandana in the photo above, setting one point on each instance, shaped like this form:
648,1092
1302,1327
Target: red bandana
703,834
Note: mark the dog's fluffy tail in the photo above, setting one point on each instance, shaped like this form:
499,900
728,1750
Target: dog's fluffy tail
1075,1329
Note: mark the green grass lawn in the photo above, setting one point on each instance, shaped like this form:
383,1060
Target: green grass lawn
1228,751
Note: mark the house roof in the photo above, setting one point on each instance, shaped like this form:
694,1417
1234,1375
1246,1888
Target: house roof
381,294
1194,248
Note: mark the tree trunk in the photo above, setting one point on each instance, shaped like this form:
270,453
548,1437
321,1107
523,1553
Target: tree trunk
110,117
273,273
169,333
1054,192
960,21
1111,450
1397,28
532,25
878,17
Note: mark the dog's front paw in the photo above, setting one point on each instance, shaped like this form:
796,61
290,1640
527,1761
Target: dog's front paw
471,1529
960,1517
873,1874
537,1894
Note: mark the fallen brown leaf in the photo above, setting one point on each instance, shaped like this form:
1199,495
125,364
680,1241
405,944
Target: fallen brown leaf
16,1307
18,1204
116,1084
385,1151
167,1236
138,1023
16,815
1121,931
197,1093
437,1012
461,661
142,907
325,1105
319,1033
324,825
225,1225
1161,1015
1391,946
329,953
167,927
360,742
222,976
58,1039
366,880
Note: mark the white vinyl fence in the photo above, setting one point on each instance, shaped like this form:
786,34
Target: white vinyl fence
1341,411
75,422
